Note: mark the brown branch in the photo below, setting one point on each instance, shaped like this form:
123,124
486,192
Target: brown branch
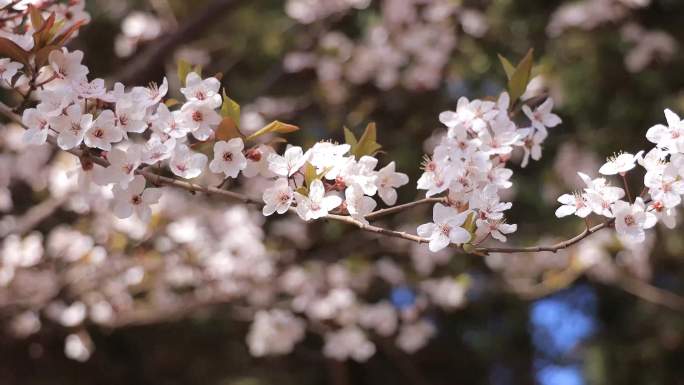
650,293
395,209
552,248
35,215
192,187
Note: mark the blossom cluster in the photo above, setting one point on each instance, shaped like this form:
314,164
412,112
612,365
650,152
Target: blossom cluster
663,185
408,46
469,164
112,266
137,129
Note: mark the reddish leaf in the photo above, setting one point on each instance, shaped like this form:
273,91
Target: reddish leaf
61,39
44,53
10,49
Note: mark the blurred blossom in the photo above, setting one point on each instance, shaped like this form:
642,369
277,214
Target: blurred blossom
446,292
346,343
136,28
413,337
308,11
649,46
274,332
78,347
25,324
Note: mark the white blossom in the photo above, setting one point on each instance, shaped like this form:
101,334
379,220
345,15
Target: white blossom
632,219
387,181
316,204
228,158
445,229
186,163
278,198
358,205
103,132
620,163
135,199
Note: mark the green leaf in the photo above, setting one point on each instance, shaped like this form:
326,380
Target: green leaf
197,69
507,66
62,39
274,126
170,102
36,17
303,190
43,34
367,144
10,49
349,137
231,109
309,173
469,226
183,69
519,79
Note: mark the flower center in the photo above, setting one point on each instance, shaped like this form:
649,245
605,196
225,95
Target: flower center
197,116
283,197
445,229
629,220
99,133
136,200
228,156
253,154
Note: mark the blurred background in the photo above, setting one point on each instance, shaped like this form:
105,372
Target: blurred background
601,313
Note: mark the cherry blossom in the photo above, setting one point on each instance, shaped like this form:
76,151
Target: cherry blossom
67,65
186,163
316,204
71,127
387,181
38,126
289,163
620,163
8,69
573,204
666,186
103,132
358,205
122,165
278,198
445,228
632,219
542,117
257,161
135,199
671,137
228,158
201,119
202,91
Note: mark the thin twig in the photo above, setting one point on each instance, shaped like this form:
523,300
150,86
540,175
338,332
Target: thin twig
395,209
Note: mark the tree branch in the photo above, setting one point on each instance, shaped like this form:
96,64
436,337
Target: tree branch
192,187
